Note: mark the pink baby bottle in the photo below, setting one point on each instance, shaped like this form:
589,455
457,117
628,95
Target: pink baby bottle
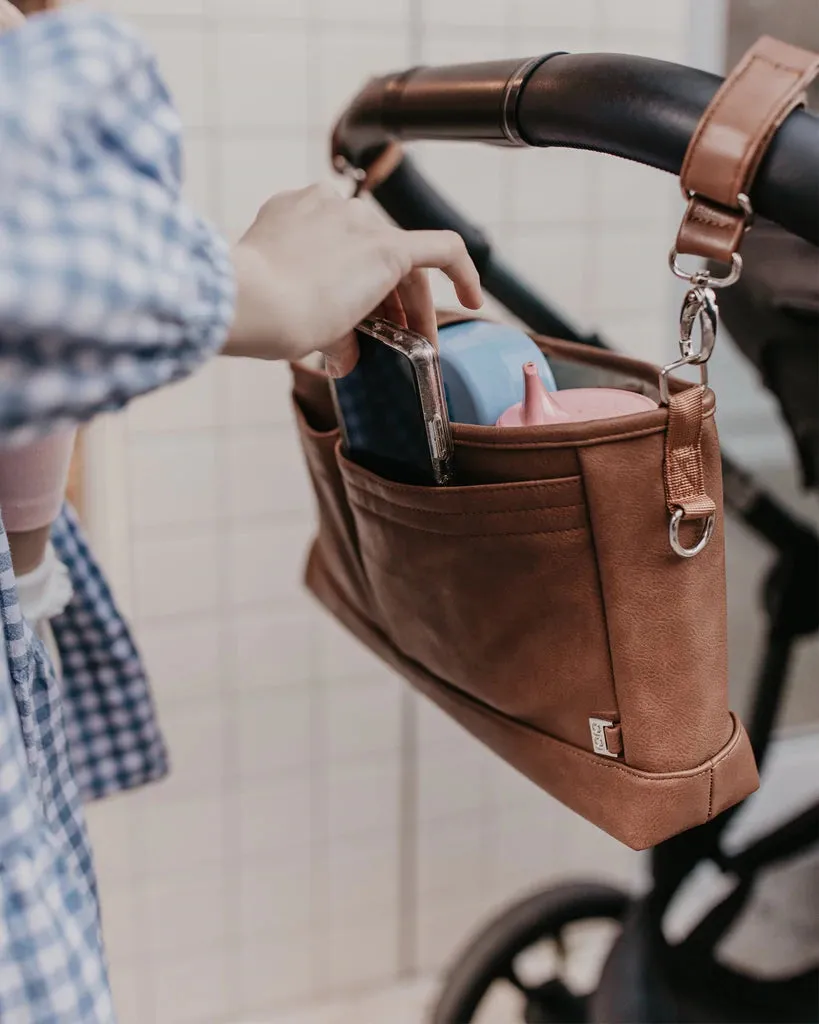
573,405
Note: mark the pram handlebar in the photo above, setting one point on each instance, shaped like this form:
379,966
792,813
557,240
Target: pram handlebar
633,107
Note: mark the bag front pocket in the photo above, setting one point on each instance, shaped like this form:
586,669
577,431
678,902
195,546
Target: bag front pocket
337,542
493,588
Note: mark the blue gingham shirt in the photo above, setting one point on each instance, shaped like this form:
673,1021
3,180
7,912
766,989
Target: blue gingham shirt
109,287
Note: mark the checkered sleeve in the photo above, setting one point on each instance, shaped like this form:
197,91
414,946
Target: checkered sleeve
114,740
110,285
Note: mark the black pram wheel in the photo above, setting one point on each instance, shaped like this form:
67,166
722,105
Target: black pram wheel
506,951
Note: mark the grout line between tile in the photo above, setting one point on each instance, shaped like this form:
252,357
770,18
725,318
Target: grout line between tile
408,838
407,867
230,806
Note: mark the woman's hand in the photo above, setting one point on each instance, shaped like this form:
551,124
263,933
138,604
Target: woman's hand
314,264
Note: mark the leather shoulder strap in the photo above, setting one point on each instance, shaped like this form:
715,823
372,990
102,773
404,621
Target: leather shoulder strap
731,140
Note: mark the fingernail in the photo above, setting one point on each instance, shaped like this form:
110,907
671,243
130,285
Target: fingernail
332,368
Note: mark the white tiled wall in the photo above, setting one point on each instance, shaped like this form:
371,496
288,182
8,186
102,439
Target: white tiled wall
322,830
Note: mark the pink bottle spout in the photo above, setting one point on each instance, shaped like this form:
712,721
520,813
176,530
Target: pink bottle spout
538,405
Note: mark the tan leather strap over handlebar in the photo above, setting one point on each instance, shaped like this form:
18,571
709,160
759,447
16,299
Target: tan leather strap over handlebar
731,140
720,163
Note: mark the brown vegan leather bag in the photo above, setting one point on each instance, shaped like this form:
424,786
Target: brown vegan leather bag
539,602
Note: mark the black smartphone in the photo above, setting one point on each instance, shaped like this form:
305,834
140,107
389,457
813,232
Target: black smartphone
391,407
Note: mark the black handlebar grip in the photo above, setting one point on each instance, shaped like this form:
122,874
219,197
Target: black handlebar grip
633,107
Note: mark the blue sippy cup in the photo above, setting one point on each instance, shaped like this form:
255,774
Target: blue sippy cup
480,364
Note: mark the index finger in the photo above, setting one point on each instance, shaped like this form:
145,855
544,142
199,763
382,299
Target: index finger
445,250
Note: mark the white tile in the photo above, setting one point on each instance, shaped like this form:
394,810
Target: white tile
195,738
122,926
437,730
189,831
393,12
174,480
191,989
444,927
451,784
362,796
650,335
198,183
362,717
644,16
343,59
443,46
584,851
256,393
272,733
275,897
189,405
659,46
538,40
110,825
508,788
455,859
184,655
526,844
173,8
471,13
401,1002
362,955
254,168
274,816
263,10
631,193
553,845
672,47
265,472
554,14
363,880
262,77
133,989
319,162
622,253
469,175
177,574
553,186
272,974
180,53
272,647
342,656
555,262
186,911
502,235
440,736
266,562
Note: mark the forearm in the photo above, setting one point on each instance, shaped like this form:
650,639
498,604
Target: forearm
28,548
33,479
255,330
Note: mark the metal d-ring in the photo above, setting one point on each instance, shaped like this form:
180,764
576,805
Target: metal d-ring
700,277
674,535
